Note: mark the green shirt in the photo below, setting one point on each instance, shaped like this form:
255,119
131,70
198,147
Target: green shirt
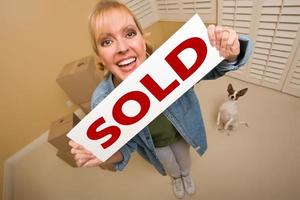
163,132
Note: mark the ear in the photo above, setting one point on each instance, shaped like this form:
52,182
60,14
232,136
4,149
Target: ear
145,37
230,89
99,59
99,62
242,92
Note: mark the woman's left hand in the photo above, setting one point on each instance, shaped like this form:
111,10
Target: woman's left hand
83,157
225,40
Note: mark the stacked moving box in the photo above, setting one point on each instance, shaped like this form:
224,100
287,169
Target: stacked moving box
78,79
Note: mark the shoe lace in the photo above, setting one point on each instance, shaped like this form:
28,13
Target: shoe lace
188,181
177,183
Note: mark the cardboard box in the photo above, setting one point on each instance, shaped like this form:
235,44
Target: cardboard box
67,157
79,79
59,129
85,107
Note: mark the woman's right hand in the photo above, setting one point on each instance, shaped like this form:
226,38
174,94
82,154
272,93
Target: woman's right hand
82,156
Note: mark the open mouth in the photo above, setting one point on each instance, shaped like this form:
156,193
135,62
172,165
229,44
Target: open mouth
126,62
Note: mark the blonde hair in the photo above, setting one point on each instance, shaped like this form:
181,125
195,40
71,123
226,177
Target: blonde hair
100,9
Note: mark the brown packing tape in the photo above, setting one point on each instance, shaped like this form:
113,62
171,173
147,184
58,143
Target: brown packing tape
59,129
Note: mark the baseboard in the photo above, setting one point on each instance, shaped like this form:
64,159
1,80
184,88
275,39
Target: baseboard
7,174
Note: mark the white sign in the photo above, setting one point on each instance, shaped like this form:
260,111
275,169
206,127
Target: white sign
166,75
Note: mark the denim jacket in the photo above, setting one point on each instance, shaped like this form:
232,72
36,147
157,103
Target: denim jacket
184,114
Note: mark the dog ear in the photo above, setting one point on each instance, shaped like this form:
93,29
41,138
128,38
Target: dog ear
242,92
230,89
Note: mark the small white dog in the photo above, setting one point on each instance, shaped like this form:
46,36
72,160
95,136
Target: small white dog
228,112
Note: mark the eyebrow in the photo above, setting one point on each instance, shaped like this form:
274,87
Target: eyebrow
124,29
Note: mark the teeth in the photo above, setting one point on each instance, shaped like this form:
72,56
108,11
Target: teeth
127,61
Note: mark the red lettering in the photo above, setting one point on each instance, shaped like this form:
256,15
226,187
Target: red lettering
93,134
172,58
137,96
142,99
155,89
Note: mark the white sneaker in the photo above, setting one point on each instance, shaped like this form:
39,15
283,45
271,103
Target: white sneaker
178,187
188,184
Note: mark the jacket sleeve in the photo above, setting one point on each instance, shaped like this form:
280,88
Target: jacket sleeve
128,148
246,47
126,151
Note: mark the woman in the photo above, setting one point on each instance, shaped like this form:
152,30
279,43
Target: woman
120,46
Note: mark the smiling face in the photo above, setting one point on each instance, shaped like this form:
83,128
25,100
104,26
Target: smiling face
120,45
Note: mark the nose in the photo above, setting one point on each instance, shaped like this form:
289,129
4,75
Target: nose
122,47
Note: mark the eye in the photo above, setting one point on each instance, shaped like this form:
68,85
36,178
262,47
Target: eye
106,42
131,34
